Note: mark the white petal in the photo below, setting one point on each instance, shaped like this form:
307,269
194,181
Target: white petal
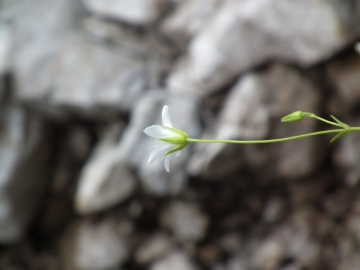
167,163
166,117
158,132
159,152
178,153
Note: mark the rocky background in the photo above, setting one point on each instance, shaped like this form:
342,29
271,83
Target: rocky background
81,79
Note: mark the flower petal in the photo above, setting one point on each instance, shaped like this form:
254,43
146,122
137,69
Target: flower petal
167,163
158,132
160,151
166,117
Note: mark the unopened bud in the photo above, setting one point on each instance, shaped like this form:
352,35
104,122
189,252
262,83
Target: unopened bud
293,117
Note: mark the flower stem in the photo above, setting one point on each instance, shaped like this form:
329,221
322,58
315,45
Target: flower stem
351,129
311,115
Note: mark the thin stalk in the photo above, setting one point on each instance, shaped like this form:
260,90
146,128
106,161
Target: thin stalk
273,140
324,120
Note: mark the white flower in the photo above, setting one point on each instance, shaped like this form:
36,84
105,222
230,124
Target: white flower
172,140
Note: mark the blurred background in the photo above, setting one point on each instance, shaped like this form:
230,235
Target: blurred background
81,79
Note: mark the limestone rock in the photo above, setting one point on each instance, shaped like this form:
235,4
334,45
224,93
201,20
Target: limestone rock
95,246
105,180
344,76
347,156
189,18
269,255
59,71
5,48
244,34
185,220
176,260
155,247
138,12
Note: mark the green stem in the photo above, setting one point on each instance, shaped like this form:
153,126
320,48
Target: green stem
274,140
311,115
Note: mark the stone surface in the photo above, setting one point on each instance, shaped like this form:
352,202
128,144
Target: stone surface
5,48
347,156
59,71
269,255
253,104
185,220
247,33
237,263
344,77
138,12
155,247
231,243
105,180
188,19
176,260
274,210
25,149
98,246
136,146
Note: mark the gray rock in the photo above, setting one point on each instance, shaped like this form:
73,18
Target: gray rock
297,237
274,210
337,204
176,260
109,31
347,156
60,71
99,246
25,151
138,12
188,19
248,113
105,180
354,225
269,255
344,75
350,263
244,34
185,220
155,247
291,266
5,47
292,239
136,146
231,243
237,263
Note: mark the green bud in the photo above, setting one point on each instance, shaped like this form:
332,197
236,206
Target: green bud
293,117
179,141
176,140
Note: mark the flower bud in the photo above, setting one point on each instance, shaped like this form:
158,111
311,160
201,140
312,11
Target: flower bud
293,117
